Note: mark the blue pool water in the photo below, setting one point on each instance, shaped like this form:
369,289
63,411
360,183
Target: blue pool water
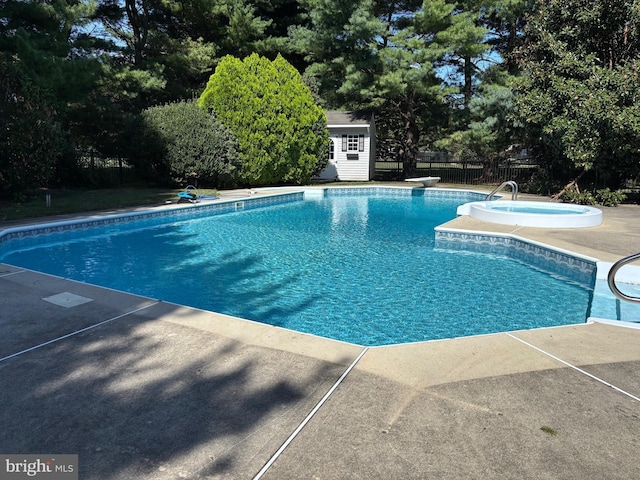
546,210
361,269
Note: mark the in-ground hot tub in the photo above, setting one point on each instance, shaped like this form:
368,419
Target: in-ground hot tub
533,214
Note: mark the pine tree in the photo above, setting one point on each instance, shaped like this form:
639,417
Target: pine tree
383,55
47,59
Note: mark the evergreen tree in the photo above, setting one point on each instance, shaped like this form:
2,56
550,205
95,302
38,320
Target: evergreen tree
45,40
491,131
179,43
31,137
465,42
383,55
505,21
50,67
281,132
482,126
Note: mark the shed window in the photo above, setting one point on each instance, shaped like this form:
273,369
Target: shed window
353,143
332,150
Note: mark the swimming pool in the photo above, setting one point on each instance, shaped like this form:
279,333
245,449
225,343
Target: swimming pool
357,265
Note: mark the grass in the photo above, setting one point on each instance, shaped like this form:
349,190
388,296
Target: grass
77,201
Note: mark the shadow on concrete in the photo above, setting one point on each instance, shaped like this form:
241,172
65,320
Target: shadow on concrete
138,399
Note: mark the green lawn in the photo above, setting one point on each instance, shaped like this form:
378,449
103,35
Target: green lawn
76,201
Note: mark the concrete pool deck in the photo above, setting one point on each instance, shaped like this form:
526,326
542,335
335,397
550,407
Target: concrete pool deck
151,390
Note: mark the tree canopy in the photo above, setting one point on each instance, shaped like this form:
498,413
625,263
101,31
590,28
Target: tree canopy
579,96
384,55
477,77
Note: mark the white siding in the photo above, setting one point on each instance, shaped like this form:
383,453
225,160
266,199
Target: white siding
349,169
350,165
343,168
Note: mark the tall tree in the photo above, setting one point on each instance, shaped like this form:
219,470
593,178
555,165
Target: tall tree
338,34
491,132
135,28
481,125
31,137
282,15
46,42
466,42
50,66
162,51
505,21
580,97
383,55
181,42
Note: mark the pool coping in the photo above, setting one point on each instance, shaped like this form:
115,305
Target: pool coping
180,211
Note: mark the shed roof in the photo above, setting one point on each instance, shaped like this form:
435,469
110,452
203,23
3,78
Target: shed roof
335,118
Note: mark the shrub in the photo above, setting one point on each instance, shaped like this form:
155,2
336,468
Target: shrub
188,145
607,198
604,197
281,132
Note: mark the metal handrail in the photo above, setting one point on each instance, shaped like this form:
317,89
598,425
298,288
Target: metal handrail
510,183
611,278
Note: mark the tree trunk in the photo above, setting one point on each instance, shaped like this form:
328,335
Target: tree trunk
138,15
574,182
489,169
468,80
410,154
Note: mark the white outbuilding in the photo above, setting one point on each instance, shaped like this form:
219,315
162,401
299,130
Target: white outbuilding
352,152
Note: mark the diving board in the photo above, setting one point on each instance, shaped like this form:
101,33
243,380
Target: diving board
426,181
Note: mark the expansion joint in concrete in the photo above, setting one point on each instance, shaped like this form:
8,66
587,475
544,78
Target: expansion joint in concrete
63,337
577,369
309,416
